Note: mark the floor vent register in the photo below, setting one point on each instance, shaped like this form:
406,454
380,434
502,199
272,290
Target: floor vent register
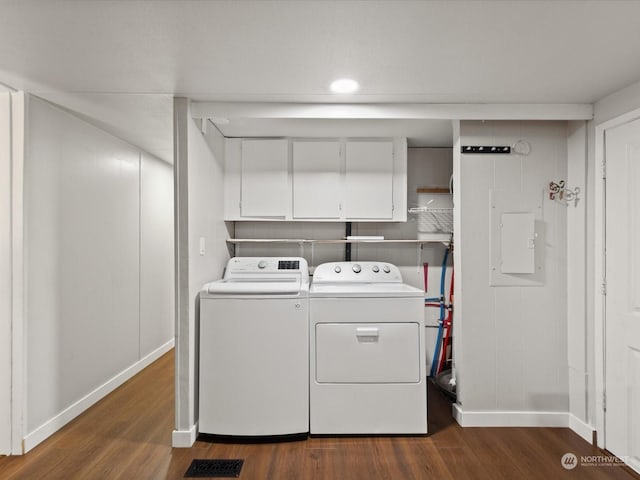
215,468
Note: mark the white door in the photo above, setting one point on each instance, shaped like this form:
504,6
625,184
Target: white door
369,180
264,181
317,179
622,315
5,274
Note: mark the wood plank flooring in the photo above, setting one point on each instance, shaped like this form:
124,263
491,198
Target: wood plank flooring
128,436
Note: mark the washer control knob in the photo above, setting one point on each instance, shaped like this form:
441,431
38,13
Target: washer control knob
375,268
386,269
262,264
357,268
337,269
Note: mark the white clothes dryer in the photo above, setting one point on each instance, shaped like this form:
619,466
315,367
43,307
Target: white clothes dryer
367,354
254,356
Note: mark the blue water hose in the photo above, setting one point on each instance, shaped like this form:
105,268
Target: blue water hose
436,350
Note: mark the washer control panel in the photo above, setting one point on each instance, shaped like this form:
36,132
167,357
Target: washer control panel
265,265
361,272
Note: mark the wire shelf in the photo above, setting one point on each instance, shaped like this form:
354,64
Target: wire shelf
434,213
434,220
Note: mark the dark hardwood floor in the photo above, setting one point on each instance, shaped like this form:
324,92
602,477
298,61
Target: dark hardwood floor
128,436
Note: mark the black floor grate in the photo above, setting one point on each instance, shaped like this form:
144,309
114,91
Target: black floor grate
215,468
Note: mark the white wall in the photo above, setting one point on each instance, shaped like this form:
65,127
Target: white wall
5,273
513,338
206,177
18,287
89,243
157,285
199,167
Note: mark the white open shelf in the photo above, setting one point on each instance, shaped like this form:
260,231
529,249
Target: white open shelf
301,243
427,238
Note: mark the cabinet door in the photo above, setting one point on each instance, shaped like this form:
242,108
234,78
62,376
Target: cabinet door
369,180
317,180
264,178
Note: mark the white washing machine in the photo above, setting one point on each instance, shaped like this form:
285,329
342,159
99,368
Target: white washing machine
367,355
254,354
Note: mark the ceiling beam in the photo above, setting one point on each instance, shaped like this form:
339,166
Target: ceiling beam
401,111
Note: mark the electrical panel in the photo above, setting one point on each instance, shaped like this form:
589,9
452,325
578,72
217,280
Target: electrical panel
517,243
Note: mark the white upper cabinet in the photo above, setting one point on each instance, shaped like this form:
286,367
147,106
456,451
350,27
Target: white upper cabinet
317,179
264,179
369,180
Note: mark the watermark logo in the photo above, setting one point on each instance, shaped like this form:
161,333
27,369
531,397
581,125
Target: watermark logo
569,461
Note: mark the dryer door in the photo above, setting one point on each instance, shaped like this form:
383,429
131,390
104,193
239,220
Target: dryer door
367,353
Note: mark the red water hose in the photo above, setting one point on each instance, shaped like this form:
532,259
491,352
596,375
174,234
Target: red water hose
448,328
425,270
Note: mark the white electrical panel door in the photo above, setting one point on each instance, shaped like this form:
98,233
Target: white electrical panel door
517,243
369,180
264,178
317,179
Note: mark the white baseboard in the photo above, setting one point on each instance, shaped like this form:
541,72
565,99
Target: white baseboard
56,423
509,418
184,438
581,428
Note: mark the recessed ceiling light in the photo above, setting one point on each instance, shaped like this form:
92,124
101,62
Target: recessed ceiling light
344,85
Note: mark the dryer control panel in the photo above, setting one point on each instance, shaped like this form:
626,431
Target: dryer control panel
357,272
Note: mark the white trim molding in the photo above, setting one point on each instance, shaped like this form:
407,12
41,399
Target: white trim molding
581,428
56,423
185,388
397,111
184,438
487,418
6,278
18,146
598,298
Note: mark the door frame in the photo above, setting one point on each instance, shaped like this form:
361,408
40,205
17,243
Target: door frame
15,252
5,271
600,266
